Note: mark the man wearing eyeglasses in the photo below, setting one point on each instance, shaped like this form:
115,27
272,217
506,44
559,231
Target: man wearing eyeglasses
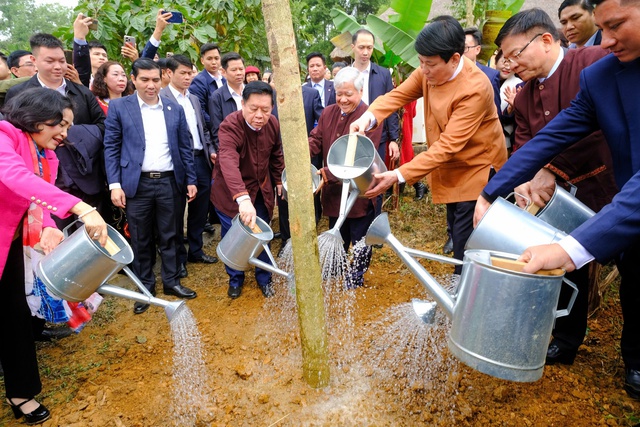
21,64
608,100
530,42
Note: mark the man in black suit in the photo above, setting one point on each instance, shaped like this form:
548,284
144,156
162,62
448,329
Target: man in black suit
81,172
180,71
149,163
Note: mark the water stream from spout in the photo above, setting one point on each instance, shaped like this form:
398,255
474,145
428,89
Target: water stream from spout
191,384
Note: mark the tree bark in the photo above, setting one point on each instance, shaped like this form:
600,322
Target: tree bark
308,279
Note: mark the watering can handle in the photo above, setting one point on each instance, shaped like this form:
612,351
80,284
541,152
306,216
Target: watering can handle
572,189
566,311
65,231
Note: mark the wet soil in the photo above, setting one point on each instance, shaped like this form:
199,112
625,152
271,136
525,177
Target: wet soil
387,369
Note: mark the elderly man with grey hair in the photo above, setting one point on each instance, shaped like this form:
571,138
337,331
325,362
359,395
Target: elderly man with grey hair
334,122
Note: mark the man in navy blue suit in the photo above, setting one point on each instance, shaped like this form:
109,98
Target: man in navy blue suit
208,80
609,100
317,67
149,162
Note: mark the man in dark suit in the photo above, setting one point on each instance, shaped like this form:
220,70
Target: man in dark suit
180,71
579,24
228,98
377,82
149,163
317,67
81,172
208,80
609,100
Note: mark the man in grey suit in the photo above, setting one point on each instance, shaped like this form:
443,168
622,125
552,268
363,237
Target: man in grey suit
180,71
149,163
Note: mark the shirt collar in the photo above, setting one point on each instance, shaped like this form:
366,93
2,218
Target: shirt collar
233,92
321,83
589,42
63,86
176,93
555,66
251,127
457,71
143,104
215,77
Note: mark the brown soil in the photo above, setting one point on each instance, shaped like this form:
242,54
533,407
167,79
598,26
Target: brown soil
118,370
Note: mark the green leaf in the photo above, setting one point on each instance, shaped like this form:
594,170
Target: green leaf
515,6
201,35
344,22
396,40
412,15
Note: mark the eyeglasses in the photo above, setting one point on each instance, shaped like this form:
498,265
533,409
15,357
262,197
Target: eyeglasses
466,48
26,64
517,55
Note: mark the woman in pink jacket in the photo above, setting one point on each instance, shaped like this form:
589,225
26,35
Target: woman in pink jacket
35,123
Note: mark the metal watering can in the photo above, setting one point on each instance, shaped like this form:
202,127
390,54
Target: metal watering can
354,159
79,266
315,181
564,211
240,247
507,228
501,318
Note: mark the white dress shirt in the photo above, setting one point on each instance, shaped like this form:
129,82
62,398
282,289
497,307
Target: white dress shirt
190,113
157,155
365,88
236,97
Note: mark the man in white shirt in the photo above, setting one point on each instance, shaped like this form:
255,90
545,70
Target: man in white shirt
149,161
208,80
180,72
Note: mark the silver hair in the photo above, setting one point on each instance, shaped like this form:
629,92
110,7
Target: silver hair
349,75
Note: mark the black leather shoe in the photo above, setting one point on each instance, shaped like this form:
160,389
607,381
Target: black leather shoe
182,273
632,383
556,354
267,290
180,292
139,308
234,291
208,228
204,259
448,247
37,416
54,333
420,190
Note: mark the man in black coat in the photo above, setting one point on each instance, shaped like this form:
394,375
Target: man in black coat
81,170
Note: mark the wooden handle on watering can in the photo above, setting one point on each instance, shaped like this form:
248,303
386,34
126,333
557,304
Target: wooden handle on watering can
514,265
532,208
350,156
255,229
112,247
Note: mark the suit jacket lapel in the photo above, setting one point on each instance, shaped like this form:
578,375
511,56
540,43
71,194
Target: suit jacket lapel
133,108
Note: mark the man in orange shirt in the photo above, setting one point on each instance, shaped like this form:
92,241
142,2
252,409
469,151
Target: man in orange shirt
463,130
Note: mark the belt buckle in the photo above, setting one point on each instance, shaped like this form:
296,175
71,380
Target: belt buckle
155,174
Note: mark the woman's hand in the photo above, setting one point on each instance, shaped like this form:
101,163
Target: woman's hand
96,227
51,237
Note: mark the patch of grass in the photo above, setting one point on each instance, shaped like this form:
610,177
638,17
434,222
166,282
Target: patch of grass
106,313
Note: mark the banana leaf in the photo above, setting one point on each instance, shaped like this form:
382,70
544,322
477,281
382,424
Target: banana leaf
396,40
344,23
411,15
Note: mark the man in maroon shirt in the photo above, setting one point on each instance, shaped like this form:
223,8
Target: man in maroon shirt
334,122
530,42
249,166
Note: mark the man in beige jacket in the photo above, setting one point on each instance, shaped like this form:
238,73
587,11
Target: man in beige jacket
464,134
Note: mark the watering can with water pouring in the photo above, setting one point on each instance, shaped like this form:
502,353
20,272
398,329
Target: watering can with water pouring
354,159
501,317
79,266
241,245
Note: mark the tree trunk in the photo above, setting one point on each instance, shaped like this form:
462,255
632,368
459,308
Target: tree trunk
284,61
470,18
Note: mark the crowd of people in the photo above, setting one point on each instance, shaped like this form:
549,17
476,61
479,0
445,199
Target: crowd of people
149,143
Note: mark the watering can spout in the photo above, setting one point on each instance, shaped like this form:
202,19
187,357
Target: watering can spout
380,232
170,307
425,310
